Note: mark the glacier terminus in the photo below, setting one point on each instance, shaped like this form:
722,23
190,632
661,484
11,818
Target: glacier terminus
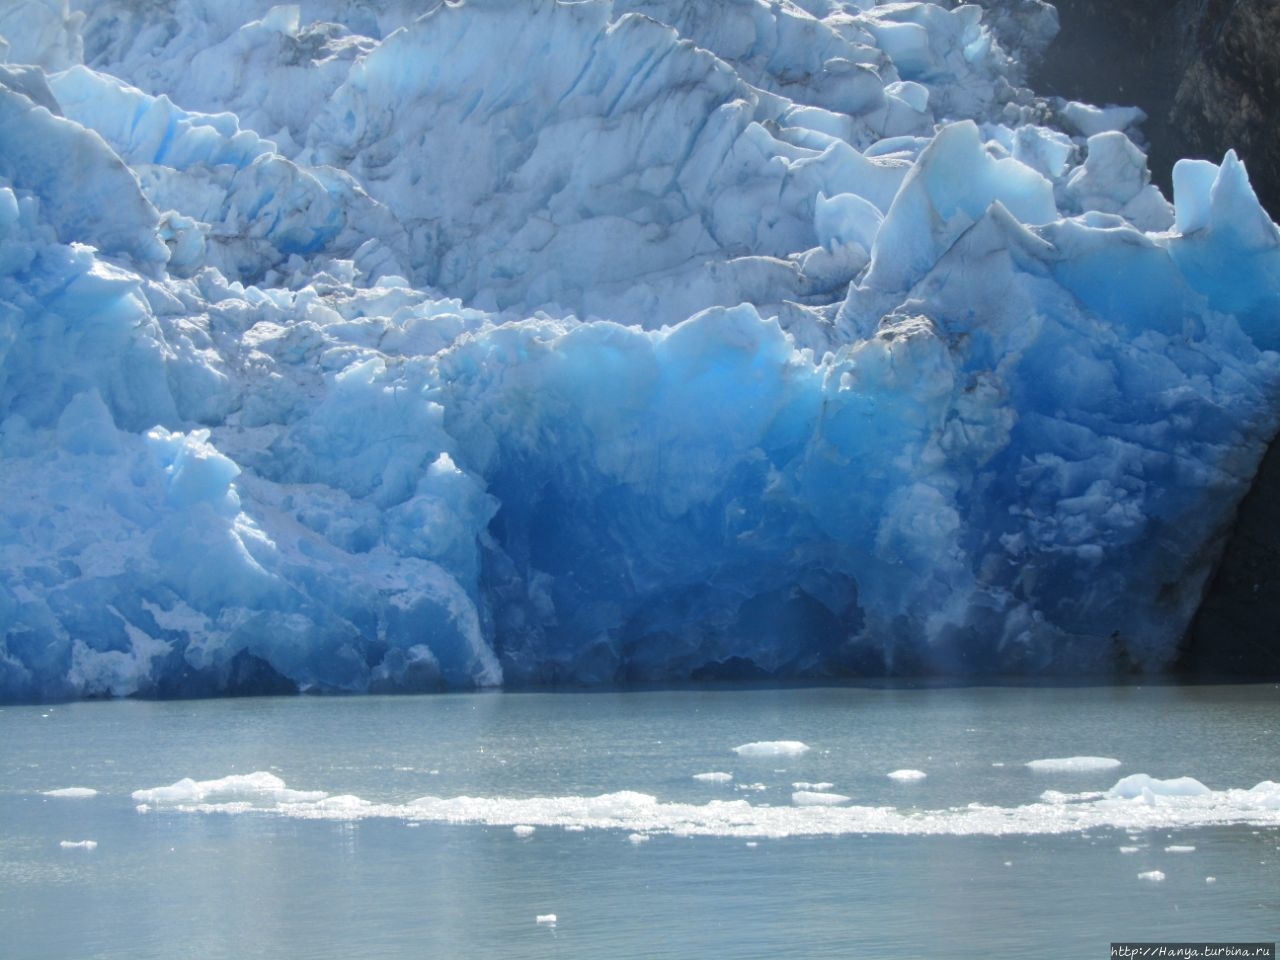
398,346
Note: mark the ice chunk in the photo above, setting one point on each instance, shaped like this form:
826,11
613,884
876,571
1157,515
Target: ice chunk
802,785
260,789
79,844
1073,764
715,776
523,830
1091,121
1147,787
808,798
1129,849
906,776
1180,848
74,793
772,748
548,919
1154,876
637,838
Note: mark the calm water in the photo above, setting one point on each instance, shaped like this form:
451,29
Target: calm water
900,870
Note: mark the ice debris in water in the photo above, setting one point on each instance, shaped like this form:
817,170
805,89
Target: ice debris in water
715,776
772,748
1180,848
1073,764
546,919
906,776
523,830
1154,876
635,814
79,844
72,793
810,798
742,340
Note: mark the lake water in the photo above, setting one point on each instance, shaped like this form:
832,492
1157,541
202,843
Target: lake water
400,827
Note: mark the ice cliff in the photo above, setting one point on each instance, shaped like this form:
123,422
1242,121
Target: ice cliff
388,346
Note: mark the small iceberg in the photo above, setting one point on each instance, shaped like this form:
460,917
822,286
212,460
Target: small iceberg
1073,764
772,748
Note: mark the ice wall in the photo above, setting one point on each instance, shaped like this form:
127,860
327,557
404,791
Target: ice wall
351,349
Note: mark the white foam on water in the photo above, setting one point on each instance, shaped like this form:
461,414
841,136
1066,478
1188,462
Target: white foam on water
72,793
906,776
714,776
641,813
1155,876
809,798
1128,849
79,844
1073,764
772,748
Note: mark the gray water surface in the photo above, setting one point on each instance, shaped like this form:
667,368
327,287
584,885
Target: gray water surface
301,883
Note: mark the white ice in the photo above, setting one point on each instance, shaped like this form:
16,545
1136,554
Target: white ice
772,748
74,793
733,340
1073,764
644,814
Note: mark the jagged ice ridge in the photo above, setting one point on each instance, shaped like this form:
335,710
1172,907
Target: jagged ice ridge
366,346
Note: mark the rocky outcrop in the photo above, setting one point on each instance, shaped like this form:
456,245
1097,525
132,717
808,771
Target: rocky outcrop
1207,73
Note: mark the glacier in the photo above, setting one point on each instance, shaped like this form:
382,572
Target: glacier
403,346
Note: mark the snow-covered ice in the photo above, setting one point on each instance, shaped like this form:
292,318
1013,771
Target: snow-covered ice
714,776
346,349
78,844
72,793
906,776
545,918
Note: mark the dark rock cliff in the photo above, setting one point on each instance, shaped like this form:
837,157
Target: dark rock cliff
1207,73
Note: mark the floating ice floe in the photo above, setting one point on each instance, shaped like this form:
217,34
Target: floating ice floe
772,748
78,844
807,798
72,793
714,776
906,776
1073,764
645,815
